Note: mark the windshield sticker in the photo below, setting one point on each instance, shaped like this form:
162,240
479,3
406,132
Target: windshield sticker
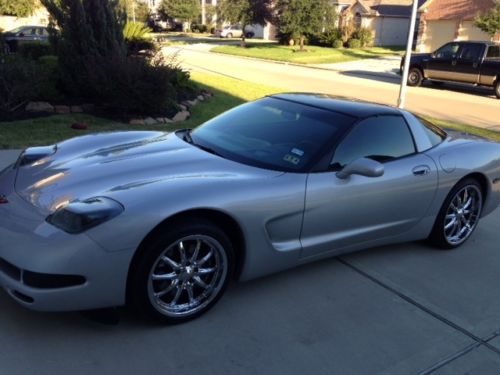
298,152
292,159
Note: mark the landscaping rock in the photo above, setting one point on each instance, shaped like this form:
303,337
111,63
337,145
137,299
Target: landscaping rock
79,126
164,120
193,102
201,98
61,109
183,107
181,116
150,121
39,107
137,121
76,109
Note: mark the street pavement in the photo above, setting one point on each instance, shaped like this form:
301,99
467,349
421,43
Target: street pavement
372,81
402,309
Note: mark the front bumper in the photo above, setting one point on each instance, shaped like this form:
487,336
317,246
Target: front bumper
46,269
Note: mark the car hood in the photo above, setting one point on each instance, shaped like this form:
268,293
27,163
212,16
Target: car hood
107,163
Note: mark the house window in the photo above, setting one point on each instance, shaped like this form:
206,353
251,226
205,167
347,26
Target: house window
357,20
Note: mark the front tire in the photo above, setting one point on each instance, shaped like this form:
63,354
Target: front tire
459,215
497,88
182,273
415,77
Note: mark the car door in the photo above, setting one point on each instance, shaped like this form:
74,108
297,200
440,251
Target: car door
442,63
344,212
468,64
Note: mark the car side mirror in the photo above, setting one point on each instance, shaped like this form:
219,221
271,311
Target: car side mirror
363,167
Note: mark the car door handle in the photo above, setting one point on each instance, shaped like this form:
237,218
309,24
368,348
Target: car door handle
454,62
422,170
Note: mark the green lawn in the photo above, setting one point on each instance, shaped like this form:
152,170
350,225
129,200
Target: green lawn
313,55
229,92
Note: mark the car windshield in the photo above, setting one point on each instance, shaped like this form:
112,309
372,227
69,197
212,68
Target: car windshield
272,133
17,29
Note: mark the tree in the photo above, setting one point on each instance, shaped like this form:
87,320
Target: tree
301,17
90,31
182,10
245,12
490,21
18,8
136,10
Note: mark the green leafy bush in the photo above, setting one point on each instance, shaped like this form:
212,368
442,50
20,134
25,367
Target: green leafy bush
34,50
23,80
198,28
325,39
47,89
137,38
364,35
354,43
338,43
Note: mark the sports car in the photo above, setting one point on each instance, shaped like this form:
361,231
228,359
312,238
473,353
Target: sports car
163,221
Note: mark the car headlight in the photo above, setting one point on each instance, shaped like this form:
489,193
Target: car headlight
79,216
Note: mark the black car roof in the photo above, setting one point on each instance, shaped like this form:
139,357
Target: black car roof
345,106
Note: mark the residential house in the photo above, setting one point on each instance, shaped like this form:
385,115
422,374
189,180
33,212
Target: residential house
442,21
389,20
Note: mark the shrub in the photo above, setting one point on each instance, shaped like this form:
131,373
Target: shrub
338,43
47,89
137,38
364,35
325,39
23,80
354,43
198,28
34,50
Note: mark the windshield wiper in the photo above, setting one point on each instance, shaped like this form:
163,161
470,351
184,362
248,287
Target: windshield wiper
189,139
207,149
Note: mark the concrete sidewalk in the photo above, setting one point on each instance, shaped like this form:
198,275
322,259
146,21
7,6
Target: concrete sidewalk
404,309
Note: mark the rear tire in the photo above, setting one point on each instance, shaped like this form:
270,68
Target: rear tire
415,77
497,88
459,215
182,273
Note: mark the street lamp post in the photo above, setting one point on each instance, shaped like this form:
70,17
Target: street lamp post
406,69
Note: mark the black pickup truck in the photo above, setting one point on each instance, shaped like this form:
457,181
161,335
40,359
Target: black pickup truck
477,63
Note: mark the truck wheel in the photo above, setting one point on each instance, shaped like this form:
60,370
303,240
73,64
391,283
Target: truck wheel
497,89
415,77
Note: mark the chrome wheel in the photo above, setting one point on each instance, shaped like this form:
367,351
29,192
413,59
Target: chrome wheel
187,276
462,215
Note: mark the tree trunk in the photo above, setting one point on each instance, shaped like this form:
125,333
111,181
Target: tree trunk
302,42
243,43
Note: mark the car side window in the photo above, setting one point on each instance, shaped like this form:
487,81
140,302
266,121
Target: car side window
32,31
447,51
471,52
381,138
493,52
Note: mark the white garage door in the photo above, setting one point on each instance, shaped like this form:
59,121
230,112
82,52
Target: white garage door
438,33
391,31
470,32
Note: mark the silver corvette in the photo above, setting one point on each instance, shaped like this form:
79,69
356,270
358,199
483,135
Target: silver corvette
163,221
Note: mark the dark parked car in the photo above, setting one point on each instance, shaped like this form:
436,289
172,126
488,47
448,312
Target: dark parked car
23,34
477,63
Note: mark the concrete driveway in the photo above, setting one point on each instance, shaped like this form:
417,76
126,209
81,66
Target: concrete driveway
405,309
